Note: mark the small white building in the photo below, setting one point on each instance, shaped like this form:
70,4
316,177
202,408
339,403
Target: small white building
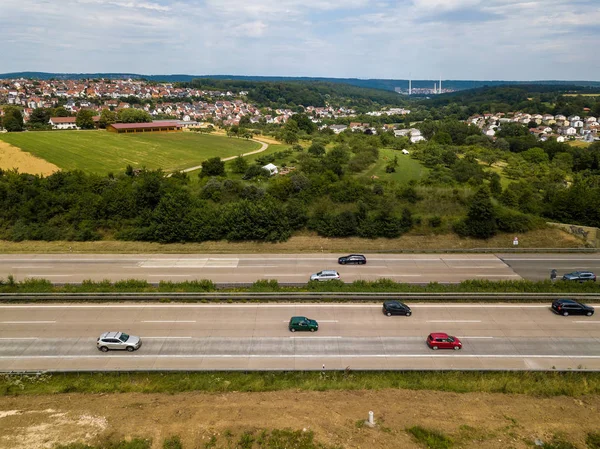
405,151
63,123
271,168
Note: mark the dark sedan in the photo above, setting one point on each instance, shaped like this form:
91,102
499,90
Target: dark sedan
568,307
357,259
396,308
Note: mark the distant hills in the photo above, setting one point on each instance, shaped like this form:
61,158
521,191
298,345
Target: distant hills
384,84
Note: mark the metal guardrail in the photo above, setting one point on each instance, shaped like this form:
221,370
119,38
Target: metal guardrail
487,250
289,296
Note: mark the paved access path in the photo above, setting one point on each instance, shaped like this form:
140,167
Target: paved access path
263,147
290,268
255,337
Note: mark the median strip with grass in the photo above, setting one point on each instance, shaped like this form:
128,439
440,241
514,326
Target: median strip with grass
272,286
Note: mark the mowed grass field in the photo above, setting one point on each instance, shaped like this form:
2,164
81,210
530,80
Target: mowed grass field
406,170
102,152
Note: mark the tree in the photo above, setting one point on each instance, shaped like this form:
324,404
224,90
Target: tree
39,116
213,167
239,165
107,117
85,119
495,185
316,149
132,115
13,119
481,217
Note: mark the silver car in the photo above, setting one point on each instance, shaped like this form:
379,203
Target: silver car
325,275
118,340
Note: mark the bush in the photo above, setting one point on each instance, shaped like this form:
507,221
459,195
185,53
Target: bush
435,221
430,438
593,440
172,443
512,221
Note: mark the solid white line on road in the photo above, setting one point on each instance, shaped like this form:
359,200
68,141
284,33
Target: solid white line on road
545,260
283,275
276,306
169,275
453,321
487,338
314,337
27,322
399,275
166,338
33,267
591,322
19,338
436,354
49,275
170,321
497,275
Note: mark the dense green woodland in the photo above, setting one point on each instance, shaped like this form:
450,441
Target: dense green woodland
295,93
326,194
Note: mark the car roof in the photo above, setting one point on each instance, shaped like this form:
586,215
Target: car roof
393,301
439,335
298,318
110,335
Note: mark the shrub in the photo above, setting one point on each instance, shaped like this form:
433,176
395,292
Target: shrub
435,222
430,438
172,443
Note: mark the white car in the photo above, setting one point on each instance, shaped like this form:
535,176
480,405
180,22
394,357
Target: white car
118,340
325,275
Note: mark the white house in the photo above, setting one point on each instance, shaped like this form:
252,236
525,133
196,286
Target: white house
63,123
577,124
415,139
405,151
272,169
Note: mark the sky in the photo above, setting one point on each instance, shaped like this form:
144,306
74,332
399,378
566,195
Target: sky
421,39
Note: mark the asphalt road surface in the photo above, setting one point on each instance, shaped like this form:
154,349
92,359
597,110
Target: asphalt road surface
256,337
291,268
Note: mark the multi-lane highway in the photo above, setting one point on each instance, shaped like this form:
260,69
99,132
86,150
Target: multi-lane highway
255,337
291,268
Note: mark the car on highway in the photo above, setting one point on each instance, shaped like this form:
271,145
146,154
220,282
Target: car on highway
118,341
396,308
439,340
580,276
357,259
325,275
566,307
301,323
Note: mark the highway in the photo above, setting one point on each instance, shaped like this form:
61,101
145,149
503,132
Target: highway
255,337
290,268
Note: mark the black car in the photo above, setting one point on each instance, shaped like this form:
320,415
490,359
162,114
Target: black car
358,259
579,276
396,308
568,307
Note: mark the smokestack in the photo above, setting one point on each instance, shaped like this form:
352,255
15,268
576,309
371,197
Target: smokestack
410,87
435,88
440,84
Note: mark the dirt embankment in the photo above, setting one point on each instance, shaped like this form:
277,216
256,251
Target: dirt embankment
473,420
12,157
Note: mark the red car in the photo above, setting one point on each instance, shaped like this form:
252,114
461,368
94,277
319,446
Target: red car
440,340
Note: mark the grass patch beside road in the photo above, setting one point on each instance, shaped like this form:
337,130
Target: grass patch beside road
272,286
102,152
543,384
306,243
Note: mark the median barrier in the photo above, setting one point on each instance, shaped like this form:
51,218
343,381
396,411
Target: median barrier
291,296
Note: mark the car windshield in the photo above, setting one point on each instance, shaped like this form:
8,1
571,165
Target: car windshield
123,337
450,339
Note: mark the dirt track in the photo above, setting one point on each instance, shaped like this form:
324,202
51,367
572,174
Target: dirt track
473,420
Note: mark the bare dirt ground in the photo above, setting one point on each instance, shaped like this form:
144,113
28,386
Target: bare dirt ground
307,243
12,157
473,420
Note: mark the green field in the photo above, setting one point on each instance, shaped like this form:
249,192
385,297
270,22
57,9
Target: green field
102,152
406,170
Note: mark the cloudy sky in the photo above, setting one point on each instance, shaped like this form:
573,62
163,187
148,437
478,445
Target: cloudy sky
455,39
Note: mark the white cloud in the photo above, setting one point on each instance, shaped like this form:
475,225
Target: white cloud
479,39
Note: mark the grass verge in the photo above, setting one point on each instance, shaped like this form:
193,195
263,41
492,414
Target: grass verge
541,384
272,286
431,439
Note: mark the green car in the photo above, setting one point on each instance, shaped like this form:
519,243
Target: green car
301,323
